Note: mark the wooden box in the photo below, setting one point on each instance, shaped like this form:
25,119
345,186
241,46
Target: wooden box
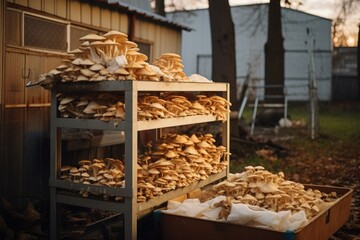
321,227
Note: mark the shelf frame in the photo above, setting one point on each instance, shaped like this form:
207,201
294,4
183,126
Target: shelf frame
131,89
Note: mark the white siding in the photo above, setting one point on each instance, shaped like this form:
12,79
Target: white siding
250,37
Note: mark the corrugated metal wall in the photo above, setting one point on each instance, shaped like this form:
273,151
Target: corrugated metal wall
250,23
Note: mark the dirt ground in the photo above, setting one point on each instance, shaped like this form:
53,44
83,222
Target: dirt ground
325,161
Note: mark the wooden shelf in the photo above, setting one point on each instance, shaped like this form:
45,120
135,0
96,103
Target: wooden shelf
68,198
148,86
141,125
65,191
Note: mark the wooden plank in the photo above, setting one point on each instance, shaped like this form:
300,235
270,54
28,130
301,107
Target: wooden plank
35,4
89,124
86,13
14,86
149,86
90,188
124,23
13,156
35,64
75,11
50,6
95,16
61,7
22,2
105,21
178,192
90,203
172,122
115,20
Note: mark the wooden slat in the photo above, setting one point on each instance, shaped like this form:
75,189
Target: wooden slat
75,11
86,13
95,16
14,83
178,192
61,8
115,21
49,6
35,4
172,122
105,20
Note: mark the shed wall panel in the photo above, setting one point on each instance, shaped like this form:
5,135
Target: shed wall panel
95,16
115,21
49,6
61,7
36,4
21,2
2,50
14,84
105,18
75,11
124,23
86,13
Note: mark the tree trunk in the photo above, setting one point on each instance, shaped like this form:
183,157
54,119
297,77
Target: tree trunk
223,47
358,62
160,7
274,56
223,53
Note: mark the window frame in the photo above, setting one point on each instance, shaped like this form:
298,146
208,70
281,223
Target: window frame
67,23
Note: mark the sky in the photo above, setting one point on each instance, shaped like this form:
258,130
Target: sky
324,8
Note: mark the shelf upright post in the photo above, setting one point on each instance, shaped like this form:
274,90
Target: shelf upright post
226,130
131,148
55,163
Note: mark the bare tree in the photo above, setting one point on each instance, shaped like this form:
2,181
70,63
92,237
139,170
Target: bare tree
223,46
274,55
340,36
160,7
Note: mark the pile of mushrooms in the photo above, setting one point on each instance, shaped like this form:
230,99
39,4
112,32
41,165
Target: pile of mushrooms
113,57
177,161
257,186
103,106
102,172
167,106
109,106
171,65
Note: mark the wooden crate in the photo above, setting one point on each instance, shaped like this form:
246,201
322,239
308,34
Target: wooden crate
321,227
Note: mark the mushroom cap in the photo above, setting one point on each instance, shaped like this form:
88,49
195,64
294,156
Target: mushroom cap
170,55
87,62
122,71
115,33
92,37
180,139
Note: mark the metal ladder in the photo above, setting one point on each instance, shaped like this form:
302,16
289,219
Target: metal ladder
265,105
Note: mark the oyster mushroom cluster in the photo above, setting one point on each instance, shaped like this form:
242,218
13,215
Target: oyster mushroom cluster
257,186
154,107
171,65
177,161
102,172
108,106
104,106
113,57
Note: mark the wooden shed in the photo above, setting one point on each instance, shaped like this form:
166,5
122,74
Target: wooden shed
35,36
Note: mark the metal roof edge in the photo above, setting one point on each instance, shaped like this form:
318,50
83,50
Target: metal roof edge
146,14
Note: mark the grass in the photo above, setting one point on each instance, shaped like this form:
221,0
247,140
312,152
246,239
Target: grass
339,134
